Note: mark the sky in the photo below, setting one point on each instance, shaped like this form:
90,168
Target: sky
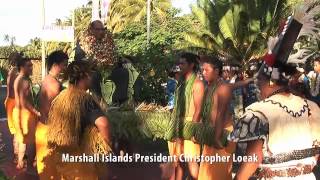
22,18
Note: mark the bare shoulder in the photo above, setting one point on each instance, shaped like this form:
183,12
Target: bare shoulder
17,80
12,74
198,83
224,89
50,82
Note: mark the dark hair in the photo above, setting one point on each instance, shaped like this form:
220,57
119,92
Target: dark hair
56,57
288,69
22,62
214,61
317,60
78,70
14,58
191,59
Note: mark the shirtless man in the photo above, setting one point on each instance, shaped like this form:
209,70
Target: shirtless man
216,113
10,101
24,114
187,108
51,86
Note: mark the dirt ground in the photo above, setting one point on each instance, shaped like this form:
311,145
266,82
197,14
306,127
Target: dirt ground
124,171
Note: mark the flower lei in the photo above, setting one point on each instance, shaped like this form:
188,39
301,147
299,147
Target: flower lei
314,84
102,51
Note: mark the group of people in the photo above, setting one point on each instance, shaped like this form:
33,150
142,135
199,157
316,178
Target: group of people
273,120
273,110
273,113
61,121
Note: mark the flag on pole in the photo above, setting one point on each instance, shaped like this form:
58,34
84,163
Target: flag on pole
105,4
95,10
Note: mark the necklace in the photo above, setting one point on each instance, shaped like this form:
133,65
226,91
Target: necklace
281,90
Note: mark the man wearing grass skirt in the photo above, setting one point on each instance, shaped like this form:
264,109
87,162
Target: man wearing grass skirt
216,113
187,108
282,130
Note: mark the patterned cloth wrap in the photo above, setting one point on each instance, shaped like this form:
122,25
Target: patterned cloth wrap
285,124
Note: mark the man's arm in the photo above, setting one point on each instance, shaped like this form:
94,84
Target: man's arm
242,83
224,95
198,93
247,169
103,126
24,94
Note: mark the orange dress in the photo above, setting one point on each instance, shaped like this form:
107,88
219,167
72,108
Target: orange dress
25,125
9,104
218,170
41,148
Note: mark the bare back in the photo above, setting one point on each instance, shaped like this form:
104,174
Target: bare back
50,88
12,75
22,92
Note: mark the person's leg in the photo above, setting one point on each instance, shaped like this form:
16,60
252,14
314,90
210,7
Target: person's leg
193,169
21,153
31,153
15,146
179,173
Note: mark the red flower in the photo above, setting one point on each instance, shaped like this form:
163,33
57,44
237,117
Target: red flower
269,59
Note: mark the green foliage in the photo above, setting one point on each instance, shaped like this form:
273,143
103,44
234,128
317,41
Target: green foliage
153,63
236,30
141,125
124,12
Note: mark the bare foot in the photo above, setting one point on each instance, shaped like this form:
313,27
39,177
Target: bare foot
20,165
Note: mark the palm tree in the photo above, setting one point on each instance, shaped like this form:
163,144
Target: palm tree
82,19
6,38
9,39
235,30
12,41
123,12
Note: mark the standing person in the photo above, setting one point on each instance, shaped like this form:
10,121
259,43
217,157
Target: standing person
171,86
133,75
282,130
98,47
49,89
24,114
216,113
250,92
120,77
237,98
189,97
9,103
314,81
76,125
51,86
226,73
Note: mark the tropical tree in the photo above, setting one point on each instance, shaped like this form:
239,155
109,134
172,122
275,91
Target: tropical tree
124,12
6,38
235,30
9,39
